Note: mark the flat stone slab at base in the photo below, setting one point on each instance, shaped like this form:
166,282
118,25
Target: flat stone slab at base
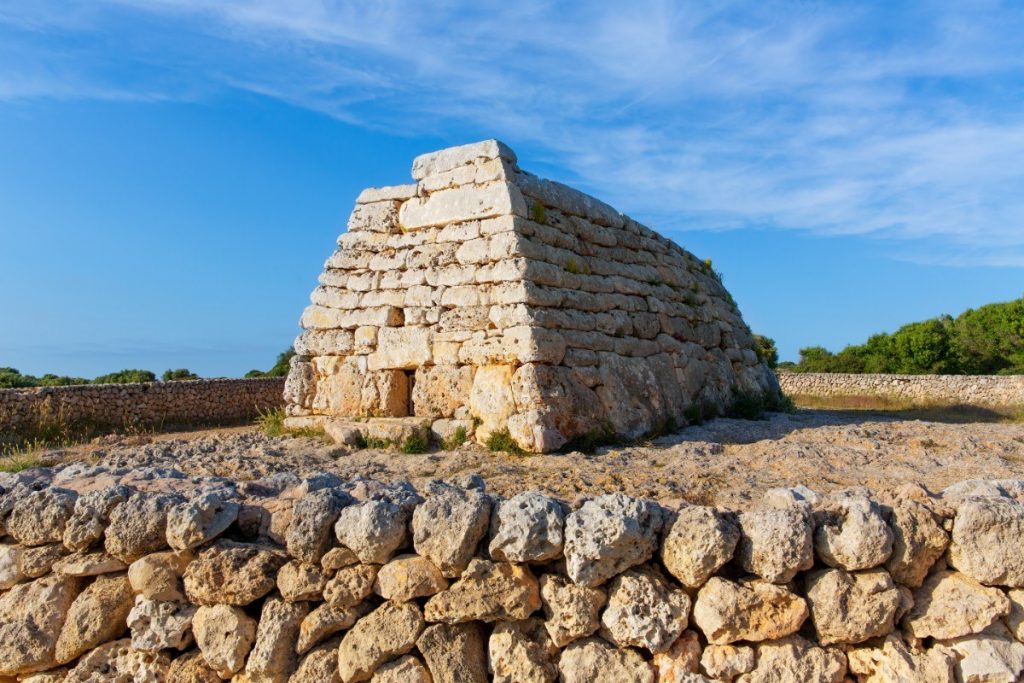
355,432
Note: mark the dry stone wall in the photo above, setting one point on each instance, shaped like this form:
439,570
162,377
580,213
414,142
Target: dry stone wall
980,390
146,404
147,575
484,297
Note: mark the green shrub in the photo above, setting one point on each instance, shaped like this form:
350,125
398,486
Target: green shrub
132,376
766,350
271,422
181,374
537,213
378,444
415,443
281,366
502,441
457,439
603,435
746,406
693,414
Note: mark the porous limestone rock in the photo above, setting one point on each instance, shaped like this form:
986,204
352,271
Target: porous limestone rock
608,535
753,610
987,658
39,560
385,633
795,659
406,669
726,662
88,564
950,604
851,608
323,622
31,618
373,530
643,611
527,528
199,520
592,660
92,515
273,655
455,653
850,532
699,540
98,614
775,544
522,652
337,558
138,526
299,581
320,665
309,534
160,625
158,576
191,668
350,585
986,538
570,611
225,635
918,542
449,526
117,662
895,661
1015,619
486,591
680,663
10,565
407,577
232,573
41,516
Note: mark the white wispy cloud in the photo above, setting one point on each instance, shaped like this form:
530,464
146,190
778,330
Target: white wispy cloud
899,123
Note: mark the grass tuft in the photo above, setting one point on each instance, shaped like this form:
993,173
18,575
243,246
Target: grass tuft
415,443
457,439
502,441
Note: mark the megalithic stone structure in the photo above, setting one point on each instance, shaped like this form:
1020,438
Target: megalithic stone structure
486,297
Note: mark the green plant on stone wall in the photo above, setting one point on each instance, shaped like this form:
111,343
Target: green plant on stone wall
537,213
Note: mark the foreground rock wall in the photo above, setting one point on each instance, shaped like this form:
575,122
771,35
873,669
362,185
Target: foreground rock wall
980,390
149,576
485,295
207,401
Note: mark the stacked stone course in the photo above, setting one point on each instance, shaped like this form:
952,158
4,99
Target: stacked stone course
991,391
148,575
483,295
145,404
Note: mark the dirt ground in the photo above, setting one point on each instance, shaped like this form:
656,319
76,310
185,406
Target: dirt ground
725,462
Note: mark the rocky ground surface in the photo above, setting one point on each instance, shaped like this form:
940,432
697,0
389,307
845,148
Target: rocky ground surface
728,463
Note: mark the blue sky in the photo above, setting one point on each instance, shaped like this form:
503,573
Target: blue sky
174,173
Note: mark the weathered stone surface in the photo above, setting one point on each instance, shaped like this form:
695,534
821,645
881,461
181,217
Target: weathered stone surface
350,585
698,542
851,608
39,560
644,611
486,591
158,576
680,662
986,536
138,526
407,669
795,659
320,665
373,530
300,581
775,544
727,661
323,622
491,399
894,661
918,541
592,660
201,519
232,573
87,524
455,653
522,652
750,610
570,611
850,532
31,617
88,564
309,533
191,668
273,656
407,577
160,625
950,604
117,662
10,565
225,635
41,516
435,163
388,631
98,614
1015,619
985,658
449,526
527,528
608,535
336,558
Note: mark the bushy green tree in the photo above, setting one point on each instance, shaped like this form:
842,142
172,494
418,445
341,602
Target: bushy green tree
10,378
179,375
281,366
766,350
51,380
129,376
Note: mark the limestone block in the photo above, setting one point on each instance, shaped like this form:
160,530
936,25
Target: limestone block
527,528
232,573
455,653
439,391
399,193
522,652
97,615
407,577
752,610
894,661
401,348
325,621
644,611
796,659
373,530
31,618
385,393
592,660
486,591
775,544
918,541
851,608
570,611
435,163
608,535
515,345
850,532
448,527
462,204
698,542
225,635
387,632
273,656
986,658
986,532
490,399
381,216
950,604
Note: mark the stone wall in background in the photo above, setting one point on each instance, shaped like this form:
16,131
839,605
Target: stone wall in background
152,576
981,390
151,404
